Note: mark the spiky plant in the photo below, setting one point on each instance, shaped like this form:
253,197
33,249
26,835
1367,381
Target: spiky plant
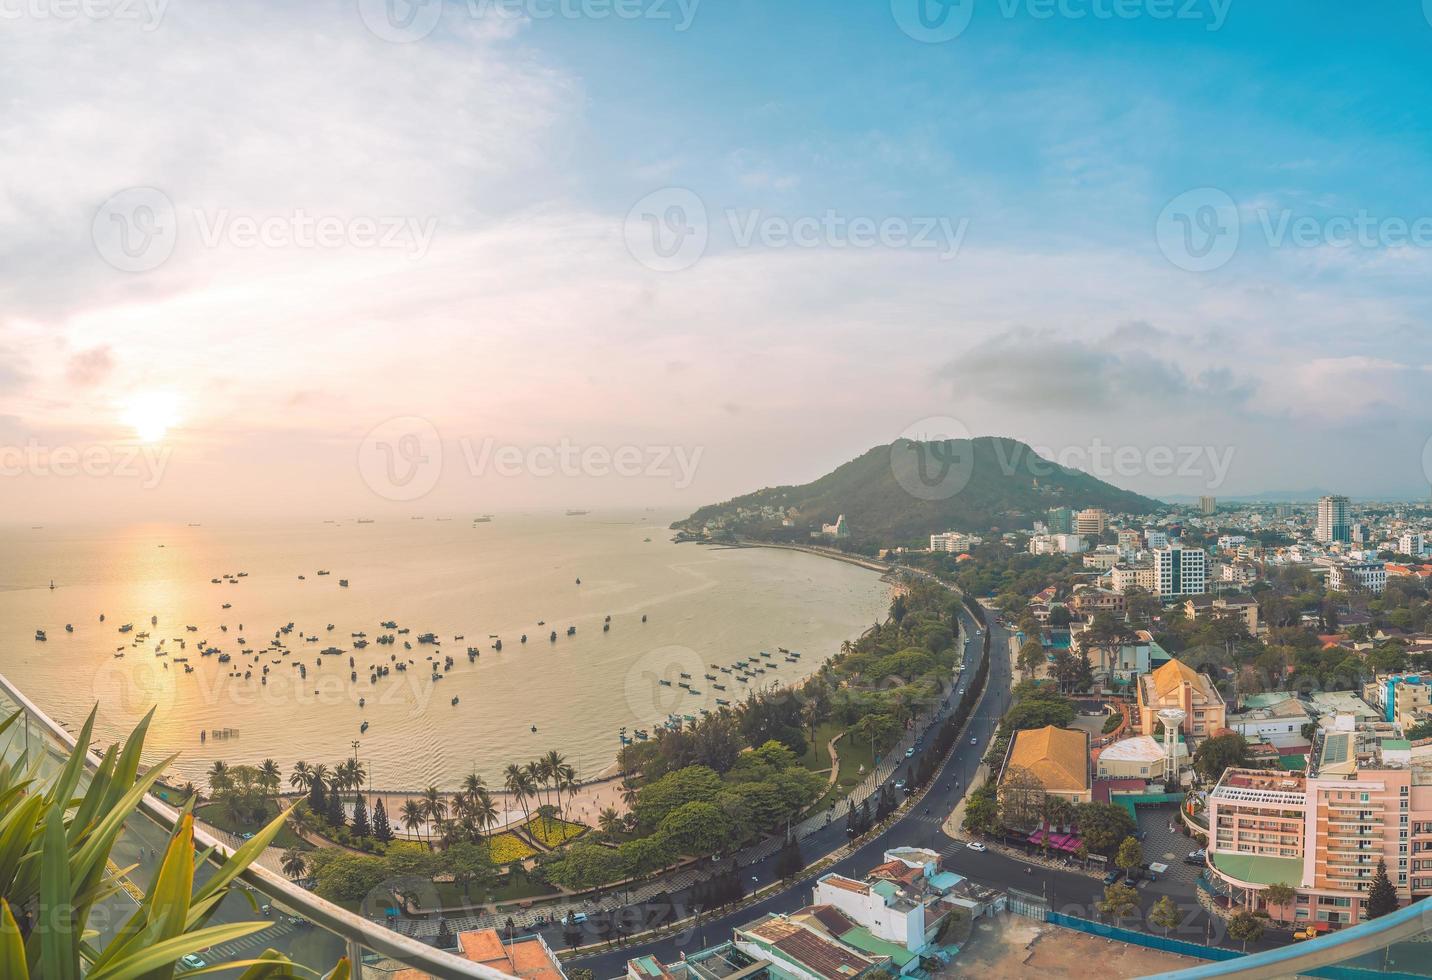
56,836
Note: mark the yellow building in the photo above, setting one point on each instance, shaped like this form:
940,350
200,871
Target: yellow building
1177,685
1057,757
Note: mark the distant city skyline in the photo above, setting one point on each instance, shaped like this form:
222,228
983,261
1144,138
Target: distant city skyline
734,246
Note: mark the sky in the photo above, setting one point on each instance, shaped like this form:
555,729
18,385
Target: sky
385,257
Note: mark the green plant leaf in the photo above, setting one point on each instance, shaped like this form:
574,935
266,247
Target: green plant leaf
169,951
12,947
58,956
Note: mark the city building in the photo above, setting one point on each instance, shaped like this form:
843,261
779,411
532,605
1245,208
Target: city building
1333,525
953,542
1122,578
1060,520
803,952
1365,798
1102,558
840,530
1155,539
1054,544
900,901
1212,607
1130,540
1279,723
1091,521
1121,662
1410,543
1403,699
1138,757
1177,685
1058,758
1358,576
1207,505
528,957
1180,571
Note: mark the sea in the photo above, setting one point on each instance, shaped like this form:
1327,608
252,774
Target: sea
630,609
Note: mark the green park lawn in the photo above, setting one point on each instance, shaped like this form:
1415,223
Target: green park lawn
217,815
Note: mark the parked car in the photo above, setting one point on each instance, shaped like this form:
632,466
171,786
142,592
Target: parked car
974,741
192,962
975,845
1113,876
910,752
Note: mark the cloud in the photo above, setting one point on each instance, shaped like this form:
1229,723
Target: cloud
1039,369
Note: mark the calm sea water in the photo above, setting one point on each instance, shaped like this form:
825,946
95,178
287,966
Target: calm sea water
451,578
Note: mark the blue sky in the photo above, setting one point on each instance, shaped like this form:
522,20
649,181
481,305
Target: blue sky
1098,231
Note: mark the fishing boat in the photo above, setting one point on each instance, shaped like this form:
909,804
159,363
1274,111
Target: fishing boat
643,617
553,637
664,682
343,582
69,628
362,728
40,635
454,699
571,630
126,627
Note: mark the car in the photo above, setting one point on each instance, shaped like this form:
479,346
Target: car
192,962
266,909
974,741
1195,859
577,918
246,836
899,784
910,752
975,845
1113,876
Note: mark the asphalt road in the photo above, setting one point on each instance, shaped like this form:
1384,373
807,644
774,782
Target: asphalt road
1067,891
915,829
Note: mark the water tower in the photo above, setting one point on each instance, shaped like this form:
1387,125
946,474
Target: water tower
1172,718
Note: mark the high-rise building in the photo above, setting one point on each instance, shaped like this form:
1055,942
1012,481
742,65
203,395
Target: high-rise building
1207,505
1180,571
1060,520
1410,544
1283,510
1333,525
1091,520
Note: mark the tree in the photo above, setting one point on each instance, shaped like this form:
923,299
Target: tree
445,939
361,827
789,861
317,799
1219,753
1279,895
1166,915
1103,825
1130,855
219,777
1245,927
1381,896
294,864
1031,658
1119,900
382,831
336,815
1021,798
982,810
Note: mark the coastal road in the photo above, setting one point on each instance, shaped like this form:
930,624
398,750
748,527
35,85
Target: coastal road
917,828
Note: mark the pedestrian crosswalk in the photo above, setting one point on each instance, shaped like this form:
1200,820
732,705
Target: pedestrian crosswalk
246,946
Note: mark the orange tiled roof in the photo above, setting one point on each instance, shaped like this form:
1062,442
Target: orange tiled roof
524,958
1058,756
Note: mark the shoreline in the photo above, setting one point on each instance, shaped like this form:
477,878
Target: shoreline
610,773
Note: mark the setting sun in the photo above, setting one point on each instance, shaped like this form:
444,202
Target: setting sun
152,415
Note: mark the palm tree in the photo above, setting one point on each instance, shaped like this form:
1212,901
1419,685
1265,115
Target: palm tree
483,812
320,774
434,805
609,821
294,863
472,784
555,767
301,778
516,782
270,776
629,794
413,815
219,776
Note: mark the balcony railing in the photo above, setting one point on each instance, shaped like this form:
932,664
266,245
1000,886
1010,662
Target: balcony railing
318,931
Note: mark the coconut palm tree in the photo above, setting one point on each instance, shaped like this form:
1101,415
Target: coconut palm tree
555,767
515,781
609,821
320,774
629,793
435,805
413,815
270,776
219,776
294,864
472,784
301,778
483,813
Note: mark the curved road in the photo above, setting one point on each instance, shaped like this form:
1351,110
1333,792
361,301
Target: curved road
915,829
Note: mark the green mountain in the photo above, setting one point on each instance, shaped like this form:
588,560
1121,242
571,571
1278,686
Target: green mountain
906,491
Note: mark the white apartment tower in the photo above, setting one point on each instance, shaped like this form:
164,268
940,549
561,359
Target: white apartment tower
1180,571
1333,523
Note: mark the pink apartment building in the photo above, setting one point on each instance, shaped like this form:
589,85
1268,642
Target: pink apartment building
1323,832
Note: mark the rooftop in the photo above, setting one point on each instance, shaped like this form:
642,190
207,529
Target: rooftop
1059,757
809,948
526,957
1258,869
